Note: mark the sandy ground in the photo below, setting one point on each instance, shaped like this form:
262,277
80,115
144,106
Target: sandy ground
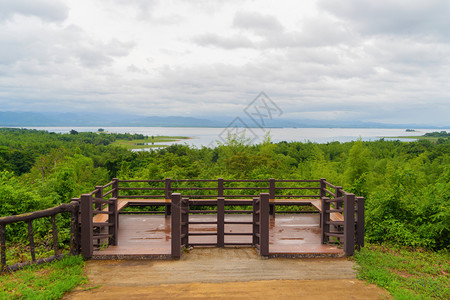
225,274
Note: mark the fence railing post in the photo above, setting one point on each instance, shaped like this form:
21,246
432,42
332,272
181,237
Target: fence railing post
87,244
3,247
264,224
185,221
323,186
349,224
338,192
220,222
167,195
325,219
115,187
272,196
256,202
220,187
75,228
360,219
176,225
99,195
113,220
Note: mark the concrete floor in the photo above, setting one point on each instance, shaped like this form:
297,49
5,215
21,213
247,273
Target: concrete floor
214,273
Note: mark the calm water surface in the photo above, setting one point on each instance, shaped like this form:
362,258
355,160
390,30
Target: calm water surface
210,136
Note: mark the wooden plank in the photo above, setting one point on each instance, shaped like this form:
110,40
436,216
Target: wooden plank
102,218
333,216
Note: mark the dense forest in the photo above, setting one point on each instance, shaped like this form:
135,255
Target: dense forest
406,184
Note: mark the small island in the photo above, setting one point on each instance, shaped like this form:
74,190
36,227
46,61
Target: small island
144,142
431,136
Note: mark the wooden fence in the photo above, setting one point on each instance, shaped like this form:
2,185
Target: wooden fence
72,207
341,213
342,217
180,221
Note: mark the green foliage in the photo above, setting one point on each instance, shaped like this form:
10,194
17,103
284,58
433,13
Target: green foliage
49,281
406,274
406,185
442,134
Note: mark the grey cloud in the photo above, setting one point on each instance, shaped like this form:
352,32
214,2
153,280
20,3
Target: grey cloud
47,10
233,42
257,23
413,17
315,32
134,69
48,45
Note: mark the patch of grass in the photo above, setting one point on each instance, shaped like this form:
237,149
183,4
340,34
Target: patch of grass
19,253
150,142
405,273
47,281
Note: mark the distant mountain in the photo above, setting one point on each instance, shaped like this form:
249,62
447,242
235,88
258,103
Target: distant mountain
18,119
33,119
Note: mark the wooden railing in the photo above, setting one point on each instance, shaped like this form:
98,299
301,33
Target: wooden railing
180,221
99,218
72,207
342,217
342,214
162,189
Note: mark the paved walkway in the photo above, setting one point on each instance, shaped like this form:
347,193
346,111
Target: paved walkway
225,274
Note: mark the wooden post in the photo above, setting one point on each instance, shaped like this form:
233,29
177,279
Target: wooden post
87,245
220,187
185,221
338,192
360,219
99,195
167,194
272,196
325,218
349,224
113,220
323,186
264,224
31,240
115,187
255,240
220,222
176,225
54,234
3,246
75,228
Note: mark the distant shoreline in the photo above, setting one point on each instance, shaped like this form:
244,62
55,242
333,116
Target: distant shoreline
215,127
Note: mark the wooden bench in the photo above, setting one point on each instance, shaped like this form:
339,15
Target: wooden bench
102,218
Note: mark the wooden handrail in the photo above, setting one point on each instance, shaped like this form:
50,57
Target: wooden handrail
39,214
72,207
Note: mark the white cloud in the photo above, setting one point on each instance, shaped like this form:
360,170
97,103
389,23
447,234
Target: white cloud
368,60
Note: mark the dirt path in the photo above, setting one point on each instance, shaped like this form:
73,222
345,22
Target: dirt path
226,273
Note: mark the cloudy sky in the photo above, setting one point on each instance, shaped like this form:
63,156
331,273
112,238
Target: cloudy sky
369,60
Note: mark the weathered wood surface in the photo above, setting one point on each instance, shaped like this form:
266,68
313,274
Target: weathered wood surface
100,218
72,207
39,214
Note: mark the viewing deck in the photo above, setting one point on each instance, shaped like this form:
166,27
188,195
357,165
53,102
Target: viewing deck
269,215
149,236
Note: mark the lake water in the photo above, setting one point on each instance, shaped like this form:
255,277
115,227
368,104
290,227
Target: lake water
210,136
